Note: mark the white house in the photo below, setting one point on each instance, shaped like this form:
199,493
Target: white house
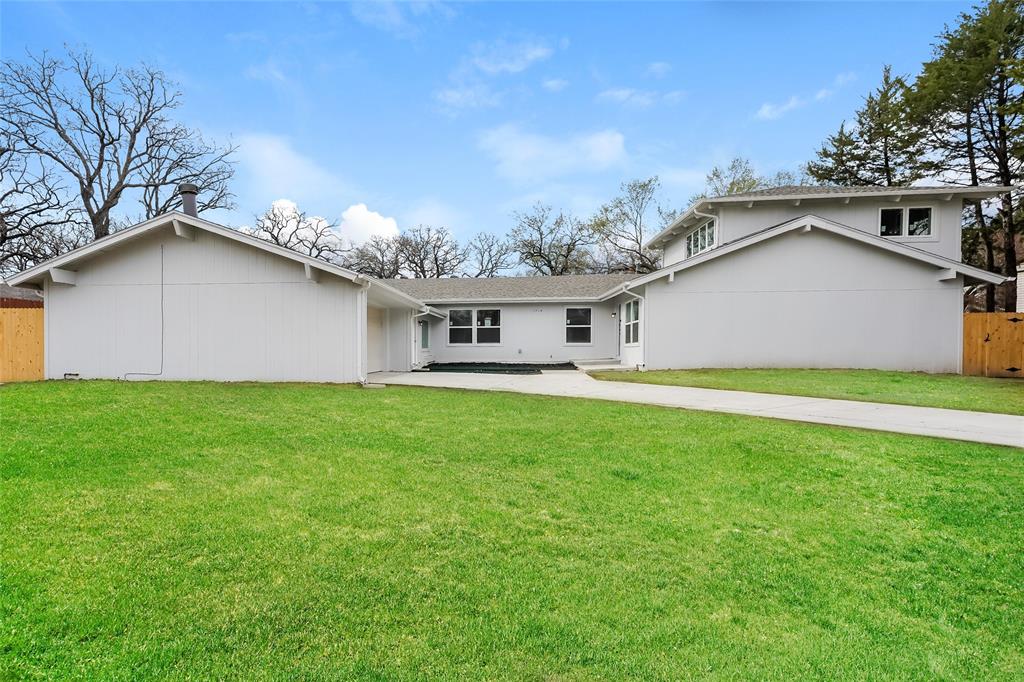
789,277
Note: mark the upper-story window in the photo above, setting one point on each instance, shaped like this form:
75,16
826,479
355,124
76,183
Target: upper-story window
905,222
700,239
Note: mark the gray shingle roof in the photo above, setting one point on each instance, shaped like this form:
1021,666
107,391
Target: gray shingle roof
566,287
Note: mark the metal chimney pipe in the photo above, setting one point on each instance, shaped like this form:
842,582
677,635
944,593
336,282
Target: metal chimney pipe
188,193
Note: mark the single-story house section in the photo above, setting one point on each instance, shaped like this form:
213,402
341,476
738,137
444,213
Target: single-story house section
862,277
178,297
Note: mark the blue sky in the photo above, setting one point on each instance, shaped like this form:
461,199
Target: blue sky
459,114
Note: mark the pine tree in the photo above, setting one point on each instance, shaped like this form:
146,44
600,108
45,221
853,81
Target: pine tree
884,148
971,95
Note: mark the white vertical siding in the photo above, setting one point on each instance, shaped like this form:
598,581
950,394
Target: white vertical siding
806,300
230,312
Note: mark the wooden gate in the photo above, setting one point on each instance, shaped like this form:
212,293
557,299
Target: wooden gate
994,344
21,343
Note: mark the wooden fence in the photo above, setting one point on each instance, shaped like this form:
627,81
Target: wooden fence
994,344
21,343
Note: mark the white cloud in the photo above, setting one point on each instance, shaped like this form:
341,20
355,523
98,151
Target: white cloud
394,17
270,167
771,112
555,84
267,71
641,99
477,96
433,212
658,69
359,223
845,78
503,57
469,86
673,96
524,156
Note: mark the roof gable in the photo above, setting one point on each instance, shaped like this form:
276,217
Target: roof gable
809,222
800,193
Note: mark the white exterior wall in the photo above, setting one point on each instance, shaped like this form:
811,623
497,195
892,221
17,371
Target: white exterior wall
231,312
806,300
400,337
736,221
530,332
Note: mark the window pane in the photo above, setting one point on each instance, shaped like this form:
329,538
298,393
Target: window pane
460,318
424,335
577,334
488,334
689,245
711,234
574,316
919,221
488,318
892,222
702,239
460,335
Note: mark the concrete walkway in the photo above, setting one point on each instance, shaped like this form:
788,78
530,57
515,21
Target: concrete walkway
980,427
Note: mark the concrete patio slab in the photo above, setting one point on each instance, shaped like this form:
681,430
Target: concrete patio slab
979,427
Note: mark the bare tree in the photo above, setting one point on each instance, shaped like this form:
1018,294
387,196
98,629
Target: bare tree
377,257
285,225
34,215
558,245
625,224
487,255
188,160
107,131
428,252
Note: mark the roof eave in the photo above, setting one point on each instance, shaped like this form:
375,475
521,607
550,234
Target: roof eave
974,191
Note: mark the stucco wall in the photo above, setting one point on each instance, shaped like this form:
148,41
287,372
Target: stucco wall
230,312
531,332
806,300
736,221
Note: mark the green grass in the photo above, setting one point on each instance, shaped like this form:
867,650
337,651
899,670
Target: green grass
287,531
953,391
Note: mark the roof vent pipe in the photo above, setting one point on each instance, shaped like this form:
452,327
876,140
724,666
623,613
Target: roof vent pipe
188,193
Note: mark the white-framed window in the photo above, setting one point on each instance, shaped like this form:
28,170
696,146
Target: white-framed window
632,322
700,239
577,325
905,221
471,326
424,335
488,326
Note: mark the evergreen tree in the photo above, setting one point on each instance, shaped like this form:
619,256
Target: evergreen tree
884,148
971,97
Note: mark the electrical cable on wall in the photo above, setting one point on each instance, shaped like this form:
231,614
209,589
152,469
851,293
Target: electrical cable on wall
156,374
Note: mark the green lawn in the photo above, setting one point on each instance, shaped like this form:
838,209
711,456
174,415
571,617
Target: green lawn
291,531
904,388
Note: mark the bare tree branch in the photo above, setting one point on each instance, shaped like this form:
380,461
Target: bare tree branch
108,133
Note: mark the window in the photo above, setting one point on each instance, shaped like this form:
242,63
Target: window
463,323
905,222
424,336
633,322
700,239
488,326
460,326
919,222
577,325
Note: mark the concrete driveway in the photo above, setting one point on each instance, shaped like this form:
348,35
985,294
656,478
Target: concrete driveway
979,427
